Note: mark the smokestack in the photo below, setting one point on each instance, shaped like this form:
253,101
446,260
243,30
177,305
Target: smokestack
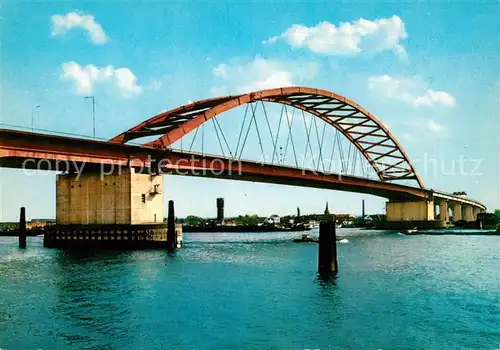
220,209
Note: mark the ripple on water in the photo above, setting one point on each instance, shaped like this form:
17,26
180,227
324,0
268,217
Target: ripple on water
254,290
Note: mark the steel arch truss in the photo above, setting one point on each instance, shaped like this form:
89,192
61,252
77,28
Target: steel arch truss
360,127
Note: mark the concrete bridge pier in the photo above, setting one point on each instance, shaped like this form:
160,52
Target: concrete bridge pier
467,213
408,214
423,213
475,212
410,211
115,209
443,211
457,211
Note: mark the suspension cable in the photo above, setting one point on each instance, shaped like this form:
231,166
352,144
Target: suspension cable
322,139
319,145
258,133
278,133
348,158
218,137
241,130
290,122
354,159
248,131
333,149
289,128
194,138
268,126
354,162
308,133
363,170
353,155
223,137
341,151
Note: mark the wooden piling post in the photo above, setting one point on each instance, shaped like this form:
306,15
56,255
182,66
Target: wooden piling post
327,252
171,234
22,228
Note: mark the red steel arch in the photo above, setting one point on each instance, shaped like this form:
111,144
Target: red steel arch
360,127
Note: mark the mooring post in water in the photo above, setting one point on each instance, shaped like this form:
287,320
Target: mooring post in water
327,252
22,228
171,235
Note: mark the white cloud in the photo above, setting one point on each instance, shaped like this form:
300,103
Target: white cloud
220,71
241,76
61,24
272,79
126,82
85,78
348,38
435,97
433,126
414,91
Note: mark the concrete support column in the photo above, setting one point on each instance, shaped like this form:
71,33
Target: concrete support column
467,212
457,211
475,211
410,211
443,211
120,197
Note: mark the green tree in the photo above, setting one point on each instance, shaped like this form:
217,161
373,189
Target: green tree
193,220
248,220
497,213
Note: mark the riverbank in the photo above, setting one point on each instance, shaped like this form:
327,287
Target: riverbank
455,231
245,228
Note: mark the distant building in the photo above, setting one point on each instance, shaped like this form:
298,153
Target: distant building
273,219
39,223
220,209
230,223
344,217
327,211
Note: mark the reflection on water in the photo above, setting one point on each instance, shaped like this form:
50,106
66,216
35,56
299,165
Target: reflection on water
84,289
254,290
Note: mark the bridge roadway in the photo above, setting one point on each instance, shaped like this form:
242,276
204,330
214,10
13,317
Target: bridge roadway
19,149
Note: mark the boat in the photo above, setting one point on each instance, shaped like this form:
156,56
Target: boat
307,238
410,231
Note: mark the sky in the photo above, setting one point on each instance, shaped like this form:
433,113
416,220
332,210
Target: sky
428,70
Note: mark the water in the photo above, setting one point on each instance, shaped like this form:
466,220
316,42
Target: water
254,291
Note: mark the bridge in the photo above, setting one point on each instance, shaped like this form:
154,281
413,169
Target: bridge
134,160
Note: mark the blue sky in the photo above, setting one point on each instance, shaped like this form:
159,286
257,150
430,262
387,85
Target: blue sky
428,70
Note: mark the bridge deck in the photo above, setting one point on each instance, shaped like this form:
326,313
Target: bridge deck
49,152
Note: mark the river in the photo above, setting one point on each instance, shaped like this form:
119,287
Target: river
255,290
